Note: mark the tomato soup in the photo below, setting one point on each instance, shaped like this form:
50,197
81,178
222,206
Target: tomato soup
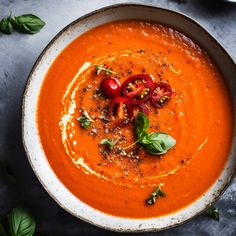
97,157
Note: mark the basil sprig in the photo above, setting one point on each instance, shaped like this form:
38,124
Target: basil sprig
158,192
27,23
100,68
156,143
213,212
85,120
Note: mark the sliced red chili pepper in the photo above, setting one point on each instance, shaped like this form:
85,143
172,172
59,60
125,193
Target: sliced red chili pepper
138,88
121,110
161,95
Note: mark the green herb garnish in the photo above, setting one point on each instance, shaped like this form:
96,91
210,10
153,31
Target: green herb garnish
156,143
6,26
85,120
21,223
155,194
107,71
27,23
108,142
213,212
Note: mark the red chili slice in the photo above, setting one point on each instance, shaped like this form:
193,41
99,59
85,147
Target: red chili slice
161,95
121,110
138,88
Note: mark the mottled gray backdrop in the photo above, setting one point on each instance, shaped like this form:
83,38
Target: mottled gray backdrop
18,53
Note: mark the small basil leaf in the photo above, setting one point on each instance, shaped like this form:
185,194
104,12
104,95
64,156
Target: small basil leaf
85,120
165,139
6,25
159,143
108,142
154,148
213,212
141,125
28,23
21,223
158,192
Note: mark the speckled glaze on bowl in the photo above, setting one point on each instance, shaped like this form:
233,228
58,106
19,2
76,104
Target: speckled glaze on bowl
34,148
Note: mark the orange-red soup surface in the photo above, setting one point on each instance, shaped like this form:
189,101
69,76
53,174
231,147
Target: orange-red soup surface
198,116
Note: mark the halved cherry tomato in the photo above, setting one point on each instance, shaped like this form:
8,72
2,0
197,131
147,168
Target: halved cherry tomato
110,87
121,110
161,95
138,88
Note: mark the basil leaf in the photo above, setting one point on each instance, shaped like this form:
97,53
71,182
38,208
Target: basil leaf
158,192
21,223
85,120
165,139
158,143
213,212
141,125
108,142
6,25
154,148
28,23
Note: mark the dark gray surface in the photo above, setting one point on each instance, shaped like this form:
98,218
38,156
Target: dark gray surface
18,53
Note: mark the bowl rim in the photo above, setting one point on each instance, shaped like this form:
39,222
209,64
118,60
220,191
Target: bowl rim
23,105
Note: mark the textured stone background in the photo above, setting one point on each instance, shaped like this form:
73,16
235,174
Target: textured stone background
18,53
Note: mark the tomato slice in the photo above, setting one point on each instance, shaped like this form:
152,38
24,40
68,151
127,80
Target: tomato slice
120,110
138,88
161,95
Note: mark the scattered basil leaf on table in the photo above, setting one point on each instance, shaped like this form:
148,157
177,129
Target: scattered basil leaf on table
158,192
27,23
85,120
21,223
213,212
156,143
108,142
6,25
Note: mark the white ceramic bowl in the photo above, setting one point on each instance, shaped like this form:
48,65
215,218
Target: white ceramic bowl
35,152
